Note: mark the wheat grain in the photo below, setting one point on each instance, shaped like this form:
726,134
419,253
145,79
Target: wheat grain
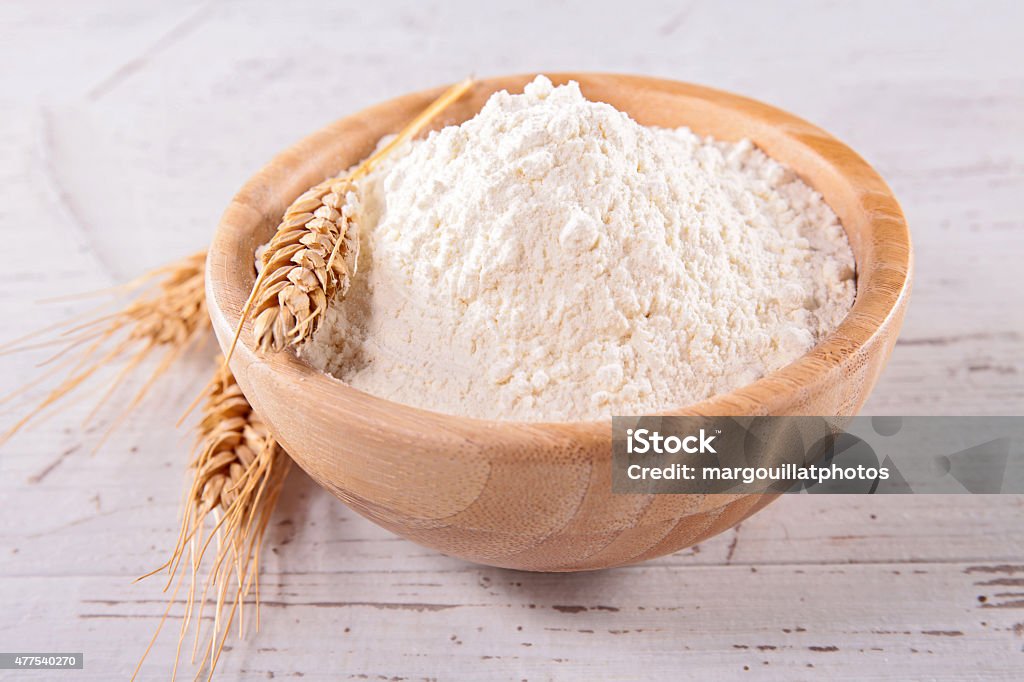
312,257
169,313
301,276
237,476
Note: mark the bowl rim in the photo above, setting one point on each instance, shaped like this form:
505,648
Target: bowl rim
875,304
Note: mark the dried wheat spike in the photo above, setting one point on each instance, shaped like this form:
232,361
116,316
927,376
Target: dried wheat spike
237,476
302,272
167,317
311,259
232,437
179,308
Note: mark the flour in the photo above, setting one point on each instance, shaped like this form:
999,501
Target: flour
551,259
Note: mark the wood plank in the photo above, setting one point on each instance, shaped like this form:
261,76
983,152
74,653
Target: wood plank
868,622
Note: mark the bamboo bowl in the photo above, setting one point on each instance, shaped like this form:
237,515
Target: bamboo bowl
537,496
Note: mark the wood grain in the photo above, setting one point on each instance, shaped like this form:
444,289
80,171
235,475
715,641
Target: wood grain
537,496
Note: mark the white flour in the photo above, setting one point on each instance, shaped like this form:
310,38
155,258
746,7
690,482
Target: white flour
551,259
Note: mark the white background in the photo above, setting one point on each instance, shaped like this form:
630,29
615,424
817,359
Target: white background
125,128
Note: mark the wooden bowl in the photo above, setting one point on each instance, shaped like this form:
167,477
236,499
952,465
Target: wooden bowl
537,496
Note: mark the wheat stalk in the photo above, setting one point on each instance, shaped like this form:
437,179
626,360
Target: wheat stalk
169,314
314,253
237,476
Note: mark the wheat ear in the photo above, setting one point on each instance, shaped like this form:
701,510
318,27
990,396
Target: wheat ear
237,475
168,314
313,256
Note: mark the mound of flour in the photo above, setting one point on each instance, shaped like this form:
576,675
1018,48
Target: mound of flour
551,259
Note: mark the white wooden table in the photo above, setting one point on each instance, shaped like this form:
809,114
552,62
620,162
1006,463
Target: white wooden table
125,130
